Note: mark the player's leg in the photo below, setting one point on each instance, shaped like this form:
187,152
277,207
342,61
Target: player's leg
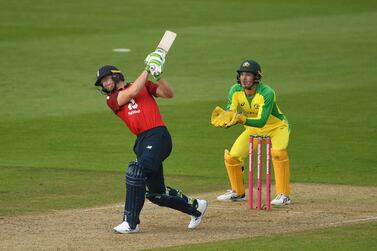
172,198
175,199
168,196
234,165
281,164
136,174
135,197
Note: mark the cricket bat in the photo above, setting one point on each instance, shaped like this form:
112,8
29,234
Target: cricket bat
167,41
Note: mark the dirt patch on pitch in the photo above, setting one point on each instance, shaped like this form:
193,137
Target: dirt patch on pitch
315,206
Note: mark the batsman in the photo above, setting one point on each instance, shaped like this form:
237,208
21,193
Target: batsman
260,115
134,103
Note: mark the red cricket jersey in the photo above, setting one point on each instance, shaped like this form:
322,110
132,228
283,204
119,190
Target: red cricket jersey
141,113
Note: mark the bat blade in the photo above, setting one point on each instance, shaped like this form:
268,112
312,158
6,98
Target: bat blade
167,40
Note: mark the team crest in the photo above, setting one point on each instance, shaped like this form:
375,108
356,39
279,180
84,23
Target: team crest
246,64
256,106
243,103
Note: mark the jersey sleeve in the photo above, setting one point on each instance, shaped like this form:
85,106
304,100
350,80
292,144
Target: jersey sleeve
112,102
264,111
232,101
152,88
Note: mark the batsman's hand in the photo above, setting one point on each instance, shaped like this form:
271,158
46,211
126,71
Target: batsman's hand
158,55
154,63
155,70
161,53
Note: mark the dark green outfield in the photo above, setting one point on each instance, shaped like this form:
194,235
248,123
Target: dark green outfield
60,147
348,238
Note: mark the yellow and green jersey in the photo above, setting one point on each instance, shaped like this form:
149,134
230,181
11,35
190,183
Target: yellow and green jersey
261,109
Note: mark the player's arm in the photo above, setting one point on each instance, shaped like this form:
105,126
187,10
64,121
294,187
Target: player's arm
154,63
164,89
126,95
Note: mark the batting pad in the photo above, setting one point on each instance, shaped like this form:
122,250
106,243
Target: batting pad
135,194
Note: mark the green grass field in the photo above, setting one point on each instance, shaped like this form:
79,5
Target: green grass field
356,237
60,146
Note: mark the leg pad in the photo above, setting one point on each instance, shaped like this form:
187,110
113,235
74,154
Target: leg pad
135,193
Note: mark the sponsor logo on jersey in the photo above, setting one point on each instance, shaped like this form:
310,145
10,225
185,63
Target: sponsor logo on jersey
134,112
133,107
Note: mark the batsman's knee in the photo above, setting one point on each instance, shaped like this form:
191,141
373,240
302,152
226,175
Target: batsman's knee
150,165
135,175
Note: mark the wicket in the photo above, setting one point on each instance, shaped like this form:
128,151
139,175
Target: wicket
259,171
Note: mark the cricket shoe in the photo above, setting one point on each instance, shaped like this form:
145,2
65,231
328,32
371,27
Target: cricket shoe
281,200
202,207
231,196
124,228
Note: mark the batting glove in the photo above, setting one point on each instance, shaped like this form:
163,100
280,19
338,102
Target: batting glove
154,63
157,55
155,70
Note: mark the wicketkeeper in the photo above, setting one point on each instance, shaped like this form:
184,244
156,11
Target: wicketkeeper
134,103
260,115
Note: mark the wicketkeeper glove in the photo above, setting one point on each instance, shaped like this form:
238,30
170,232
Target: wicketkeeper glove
237,118
219,117
225,119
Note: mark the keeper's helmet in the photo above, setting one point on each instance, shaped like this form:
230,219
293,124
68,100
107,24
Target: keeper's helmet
250,66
